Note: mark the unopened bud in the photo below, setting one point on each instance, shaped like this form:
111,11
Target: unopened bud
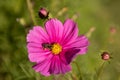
43,13
113,30
105,56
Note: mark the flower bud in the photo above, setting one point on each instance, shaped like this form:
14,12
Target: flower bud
43,13
113,30
105,56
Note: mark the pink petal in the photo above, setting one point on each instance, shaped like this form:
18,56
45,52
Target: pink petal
65,68
80,42
36,53
83,50
55,69
37,45
70,54
62,57
70,32
58,66
38,57
34,48
54,29
44,66
37,35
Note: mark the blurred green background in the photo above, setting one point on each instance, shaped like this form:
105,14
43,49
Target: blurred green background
98,19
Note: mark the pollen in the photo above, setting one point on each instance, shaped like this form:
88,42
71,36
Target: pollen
56,48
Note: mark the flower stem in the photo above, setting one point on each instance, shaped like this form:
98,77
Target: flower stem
100,71
30,8
80,75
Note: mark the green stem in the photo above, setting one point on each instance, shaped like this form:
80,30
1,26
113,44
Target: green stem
24,70
100,70
30,8
80,75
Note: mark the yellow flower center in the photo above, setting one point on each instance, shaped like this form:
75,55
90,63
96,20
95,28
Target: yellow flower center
56,48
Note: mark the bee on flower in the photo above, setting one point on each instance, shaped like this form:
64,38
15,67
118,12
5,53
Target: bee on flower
54,47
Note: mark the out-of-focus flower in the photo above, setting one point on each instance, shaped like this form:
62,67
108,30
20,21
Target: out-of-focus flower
91,30
113,30
43,13
105,56
60,13
21,21
55,46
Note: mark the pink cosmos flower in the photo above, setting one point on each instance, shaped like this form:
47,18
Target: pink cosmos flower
55,46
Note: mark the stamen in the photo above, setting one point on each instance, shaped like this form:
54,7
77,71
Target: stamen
56,48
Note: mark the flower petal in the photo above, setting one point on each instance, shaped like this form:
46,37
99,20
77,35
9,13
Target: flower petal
70,54
80,42
65,68
57,66
37,35
70,32
34,48
83,50
38,57
43,67
36,53
54,29
36,45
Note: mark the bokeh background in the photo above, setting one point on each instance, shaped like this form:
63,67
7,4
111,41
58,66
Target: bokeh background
99,20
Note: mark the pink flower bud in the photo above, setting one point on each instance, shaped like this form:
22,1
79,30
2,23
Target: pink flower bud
113,30
43,13
105,56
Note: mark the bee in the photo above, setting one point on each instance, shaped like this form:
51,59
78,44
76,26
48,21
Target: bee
47,46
